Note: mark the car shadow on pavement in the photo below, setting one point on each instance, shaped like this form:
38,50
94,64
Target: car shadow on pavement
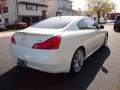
22,79
118,31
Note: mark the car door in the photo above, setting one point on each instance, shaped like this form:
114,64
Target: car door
91,34
97,32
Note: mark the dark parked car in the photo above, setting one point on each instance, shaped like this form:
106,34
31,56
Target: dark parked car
20,25
17,25
117,23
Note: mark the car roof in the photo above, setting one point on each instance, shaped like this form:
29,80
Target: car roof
71,18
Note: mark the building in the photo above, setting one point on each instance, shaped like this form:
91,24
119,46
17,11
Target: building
29,11
32,11
59,8
4,9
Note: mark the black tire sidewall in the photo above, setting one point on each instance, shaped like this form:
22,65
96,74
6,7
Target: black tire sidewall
105,42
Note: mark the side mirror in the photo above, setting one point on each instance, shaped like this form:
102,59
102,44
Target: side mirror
101,27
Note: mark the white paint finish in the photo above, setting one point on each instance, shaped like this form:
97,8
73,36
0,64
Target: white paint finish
32,36
44,60
58,60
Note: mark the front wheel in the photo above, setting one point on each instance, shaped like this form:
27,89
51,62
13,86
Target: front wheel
77,61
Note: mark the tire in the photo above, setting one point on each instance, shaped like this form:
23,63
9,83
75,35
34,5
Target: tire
105,41
115,28
5,29
77,61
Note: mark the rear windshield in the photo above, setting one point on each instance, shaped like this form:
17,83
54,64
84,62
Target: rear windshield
53,23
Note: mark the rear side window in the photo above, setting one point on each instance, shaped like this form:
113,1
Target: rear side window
0,20
87,24
82,24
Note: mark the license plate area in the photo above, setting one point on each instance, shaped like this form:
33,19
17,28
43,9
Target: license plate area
22,63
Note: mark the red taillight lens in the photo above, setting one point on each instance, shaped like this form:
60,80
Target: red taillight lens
52,43
13,40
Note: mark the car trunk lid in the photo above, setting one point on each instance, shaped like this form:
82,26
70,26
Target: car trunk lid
28,37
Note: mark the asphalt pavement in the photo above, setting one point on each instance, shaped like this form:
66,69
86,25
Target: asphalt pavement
101,71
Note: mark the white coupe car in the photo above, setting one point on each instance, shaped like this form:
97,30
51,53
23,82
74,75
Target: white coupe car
58,44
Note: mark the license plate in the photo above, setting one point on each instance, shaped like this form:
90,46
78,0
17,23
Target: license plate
22,63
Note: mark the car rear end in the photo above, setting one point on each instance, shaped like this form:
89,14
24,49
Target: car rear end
42,46
40,51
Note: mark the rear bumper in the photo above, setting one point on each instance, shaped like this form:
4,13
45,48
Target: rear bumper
52,61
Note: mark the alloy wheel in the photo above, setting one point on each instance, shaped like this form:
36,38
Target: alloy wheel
78,60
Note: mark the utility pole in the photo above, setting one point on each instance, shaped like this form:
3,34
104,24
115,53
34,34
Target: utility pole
17,12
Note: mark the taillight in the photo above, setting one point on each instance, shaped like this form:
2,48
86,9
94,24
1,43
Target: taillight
13,40
52,43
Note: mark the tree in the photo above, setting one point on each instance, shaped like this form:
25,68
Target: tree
100,7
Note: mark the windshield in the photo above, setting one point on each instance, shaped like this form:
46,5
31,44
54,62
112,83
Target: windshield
53,23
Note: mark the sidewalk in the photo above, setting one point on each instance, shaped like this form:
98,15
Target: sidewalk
6,34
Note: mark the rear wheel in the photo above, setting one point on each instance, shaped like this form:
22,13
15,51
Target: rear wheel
115,28
77,61
5,29
105,41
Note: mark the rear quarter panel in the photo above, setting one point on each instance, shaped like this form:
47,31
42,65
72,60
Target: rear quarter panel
72,40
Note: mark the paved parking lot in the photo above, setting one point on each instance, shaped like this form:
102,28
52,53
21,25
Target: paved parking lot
100,72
